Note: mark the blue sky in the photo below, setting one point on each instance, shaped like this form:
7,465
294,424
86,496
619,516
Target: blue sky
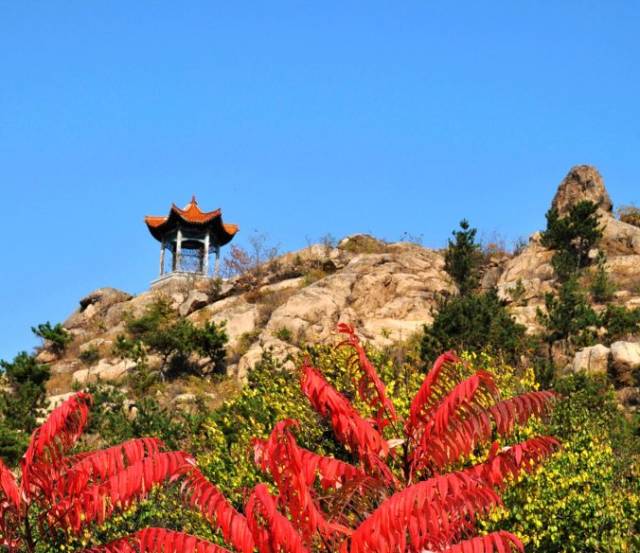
297,119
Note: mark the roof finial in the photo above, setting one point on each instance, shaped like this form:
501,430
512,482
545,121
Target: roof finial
193,199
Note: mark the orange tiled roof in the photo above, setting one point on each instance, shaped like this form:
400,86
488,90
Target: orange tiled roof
190,214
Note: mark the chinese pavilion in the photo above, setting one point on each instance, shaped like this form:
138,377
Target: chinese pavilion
187,237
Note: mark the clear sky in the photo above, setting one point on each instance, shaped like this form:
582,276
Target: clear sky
297,119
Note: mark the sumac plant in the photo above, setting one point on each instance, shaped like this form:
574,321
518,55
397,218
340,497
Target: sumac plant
57,492
412,487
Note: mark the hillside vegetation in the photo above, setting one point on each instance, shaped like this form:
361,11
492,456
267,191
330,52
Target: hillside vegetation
217,369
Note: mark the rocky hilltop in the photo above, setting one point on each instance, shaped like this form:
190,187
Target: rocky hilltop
532,266
387,290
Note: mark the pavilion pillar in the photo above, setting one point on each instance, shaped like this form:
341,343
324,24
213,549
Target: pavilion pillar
205,257
178,257
217,263
162,246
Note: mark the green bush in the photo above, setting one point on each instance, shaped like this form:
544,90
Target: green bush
602,288
572,236
22,402
284,334
586,498
161,331
475,322
57,336
620,322
116,418
568,315
89,356
13,444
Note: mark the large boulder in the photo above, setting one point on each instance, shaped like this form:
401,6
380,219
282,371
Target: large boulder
626,354
95,303
240,317
625,361
195,300
525,280
619,238
104,371
583,182
135,307
591,360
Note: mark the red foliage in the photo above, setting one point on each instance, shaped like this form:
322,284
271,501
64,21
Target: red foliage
429,512
498,541
282,457
370,386
330,471
203,495
411,500
50,441
72,491
350,428
431,390
159,540
272,531
96,502
408,501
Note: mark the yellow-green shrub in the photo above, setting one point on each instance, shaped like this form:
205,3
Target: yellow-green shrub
587,497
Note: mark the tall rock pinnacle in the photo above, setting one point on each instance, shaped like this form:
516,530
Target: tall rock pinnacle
583,182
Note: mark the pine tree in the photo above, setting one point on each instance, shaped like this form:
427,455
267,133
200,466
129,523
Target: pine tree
572,236
463,257
568,315
602,289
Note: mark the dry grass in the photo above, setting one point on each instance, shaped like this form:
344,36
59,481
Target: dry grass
60,383
268,302
245,341
364,243
629,214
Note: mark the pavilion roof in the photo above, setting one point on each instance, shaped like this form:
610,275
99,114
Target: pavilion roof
191,216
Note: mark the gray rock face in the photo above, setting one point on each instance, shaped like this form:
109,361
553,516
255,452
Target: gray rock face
619,238
533,270
95,303
105,371
625,362
195,300
388,296
387,290
592,360
626,354
583,182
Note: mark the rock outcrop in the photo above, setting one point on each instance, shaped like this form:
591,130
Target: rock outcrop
592,360
387,290
583,182
625,362
388,296
531,269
